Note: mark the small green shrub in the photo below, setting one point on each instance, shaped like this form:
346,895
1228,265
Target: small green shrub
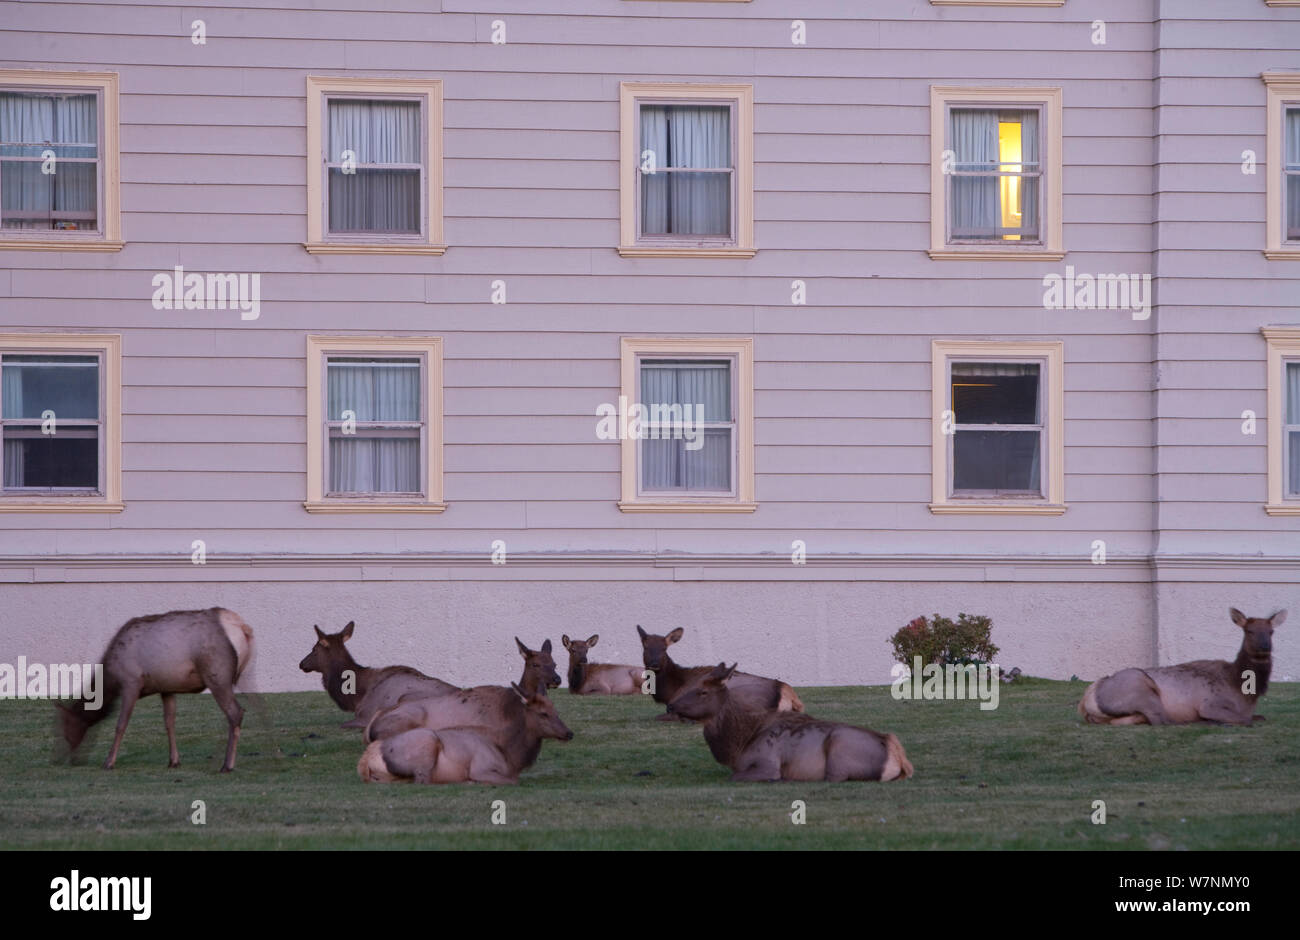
941,641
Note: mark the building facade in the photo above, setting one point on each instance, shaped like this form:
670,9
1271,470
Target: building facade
781,322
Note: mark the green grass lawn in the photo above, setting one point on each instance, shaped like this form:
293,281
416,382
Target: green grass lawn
1021,777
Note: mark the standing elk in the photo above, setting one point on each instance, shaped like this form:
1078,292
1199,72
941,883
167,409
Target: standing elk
1206,690
598,678
671,680
764,744
181,651
465,755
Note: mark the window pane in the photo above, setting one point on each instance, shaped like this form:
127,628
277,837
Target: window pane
705,385
1292,158
669,465
59,459
66,385
378,201
1293,463
374,389
375,131
690,137
1293,393
32,121
1005,461
994,186
360,464
30,124
995,392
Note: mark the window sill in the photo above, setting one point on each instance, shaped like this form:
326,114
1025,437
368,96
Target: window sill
59,244
1003,3
1283,254
640,506
62,506
683,251
340,248
1283,509
359,506
994,509
994,254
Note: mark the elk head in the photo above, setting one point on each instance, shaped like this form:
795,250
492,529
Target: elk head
654,649
542,718
706,699
539,667
1257,638
577,648
72,724
328,651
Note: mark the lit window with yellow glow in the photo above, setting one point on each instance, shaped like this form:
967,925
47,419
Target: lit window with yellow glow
995,180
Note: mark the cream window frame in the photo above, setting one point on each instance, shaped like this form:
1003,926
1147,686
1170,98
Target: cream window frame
1050,100
1283,90
108,347
319,88
741,352
105,85
1052,357
1283,347
427,347
741,100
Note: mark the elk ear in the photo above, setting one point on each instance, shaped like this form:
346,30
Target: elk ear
1237,616
319,635
347,631
564,640
1278,618
519,691
675,636
640,631
720,672
591,641
523,650
546,647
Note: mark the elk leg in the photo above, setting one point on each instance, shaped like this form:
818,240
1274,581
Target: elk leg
225,696
130,695
169,719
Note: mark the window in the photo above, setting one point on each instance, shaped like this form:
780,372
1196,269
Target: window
59,161
689,446
60,423
687,170
374,176
1282,161
998,427
374,424
996,173
1283,420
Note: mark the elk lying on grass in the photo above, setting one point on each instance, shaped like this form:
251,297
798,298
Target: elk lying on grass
465,755
598,678
764,744
1206,690
349,683
671,680
181,651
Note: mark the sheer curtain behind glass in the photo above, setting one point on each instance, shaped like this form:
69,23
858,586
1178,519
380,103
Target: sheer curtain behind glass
976,208
382,199
1293,430
667,464
383,456
677,199
30,124
1292,174
989,459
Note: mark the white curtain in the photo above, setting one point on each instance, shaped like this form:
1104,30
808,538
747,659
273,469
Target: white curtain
11,392
375,200
666,464
1293,178
375,392
1293,419
975,148
696,137
31,123
997,460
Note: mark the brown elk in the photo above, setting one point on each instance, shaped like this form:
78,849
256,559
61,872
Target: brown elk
180,651
598,678
764,744
671,680
465,755
1206,690
348,683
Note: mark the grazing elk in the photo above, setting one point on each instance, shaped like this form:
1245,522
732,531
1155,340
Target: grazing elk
764,744
671,680
465,755
1206,690
598,678
349,683
181,651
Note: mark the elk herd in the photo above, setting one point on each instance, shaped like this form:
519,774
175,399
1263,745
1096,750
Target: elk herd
421,729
